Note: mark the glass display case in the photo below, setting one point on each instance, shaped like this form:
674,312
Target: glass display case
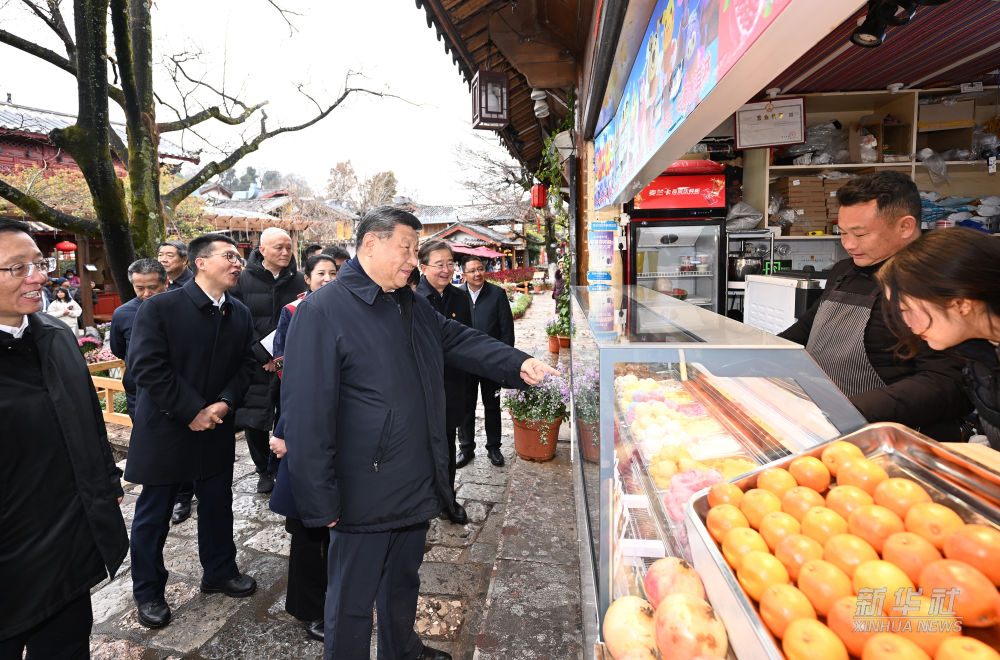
668,398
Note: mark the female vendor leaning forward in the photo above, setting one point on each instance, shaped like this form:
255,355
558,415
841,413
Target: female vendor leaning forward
944,289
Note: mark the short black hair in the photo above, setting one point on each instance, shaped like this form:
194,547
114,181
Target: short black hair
314,260
336,252
382,221
472,257
434,245
895,194
182,249
68,271
200,246
311,248
145,267
7,225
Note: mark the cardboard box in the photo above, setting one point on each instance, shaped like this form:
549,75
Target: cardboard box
945,117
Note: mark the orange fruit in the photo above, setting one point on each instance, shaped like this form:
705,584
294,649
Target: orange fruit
776,526
978,545
780,604
928,626
807,639
845,500
822,524
846,551
890,646
823,583
874,524
898,495
840,619
933,521
975,603
838,452
757,503
724,492
777,480
758,571
800,499
965,648
876,574
810,472
738,542
910,552
861,472
795,550
722,518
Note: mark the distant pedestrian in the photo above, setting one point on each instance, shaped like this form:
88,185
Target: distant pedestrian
490,314
310,251
558,287
72,279
65,309
63,531
339,254
191,357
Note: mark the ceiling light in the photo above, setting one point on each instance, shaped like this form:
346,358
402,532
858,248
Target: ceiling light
871,32
538,95
541,109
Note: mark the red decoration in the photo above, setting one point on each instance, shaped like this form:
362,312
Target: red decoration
538,196
66,246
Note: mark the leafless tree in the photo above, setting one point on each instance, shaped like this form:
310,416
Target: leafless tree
343,183
376,190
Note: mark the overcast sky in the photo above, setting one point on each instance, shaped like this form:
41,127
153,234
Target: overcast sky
246,44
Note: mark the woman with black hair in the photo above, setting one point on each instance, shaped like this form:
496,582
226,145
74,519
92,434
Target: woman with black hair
64,308
943,289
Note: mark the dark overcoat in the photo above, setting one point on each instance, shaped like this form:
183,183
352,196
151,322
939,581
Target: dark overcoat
264,295
75,406
346,394
120,335
186,354
456,305
491,312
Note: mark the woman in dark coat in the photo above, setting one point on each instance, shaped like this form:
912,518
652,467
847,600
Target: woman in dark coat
942,288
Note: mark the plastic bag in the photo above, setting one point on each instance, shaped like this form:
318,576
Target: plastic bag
826,142
936,167
743,217
984,144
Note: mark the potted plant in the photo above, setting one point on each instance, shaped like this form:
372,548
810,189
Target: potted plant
552,330
562,301
537,413
587,407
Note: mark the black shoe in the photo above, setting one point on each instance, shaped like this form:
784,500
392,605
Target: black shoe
433,654
154,614
239,587
265,483
182,511
464,458
457,514
314,629
496,458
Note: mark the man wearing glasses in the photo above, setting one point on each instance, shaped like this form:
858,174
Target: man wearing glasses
191,358
174,257
63,532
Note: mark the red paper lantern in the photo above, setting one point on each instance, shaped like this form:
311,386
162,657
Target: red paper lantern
538,194
66,246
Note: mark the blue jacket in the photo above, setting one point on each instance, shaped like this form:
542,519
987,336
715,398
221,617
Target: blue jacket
363,405
120,335
185,354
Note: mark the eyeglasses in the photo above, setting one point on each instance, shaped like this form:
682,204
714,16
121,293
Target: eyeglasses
446,266
231,257
21,271
475,270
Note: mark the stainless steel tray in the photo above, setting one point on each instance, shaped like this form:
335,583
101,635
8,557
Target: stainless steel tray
967,487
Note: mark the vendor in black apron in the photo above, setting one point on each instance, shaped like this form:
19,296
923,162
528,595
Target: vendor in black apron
845,331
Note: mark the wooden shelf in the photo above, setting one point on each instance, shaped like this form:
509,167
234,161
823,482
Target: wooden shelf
838,166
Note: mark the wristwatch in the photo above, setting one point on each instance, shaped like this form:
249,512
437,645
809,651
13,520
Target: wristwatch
227,402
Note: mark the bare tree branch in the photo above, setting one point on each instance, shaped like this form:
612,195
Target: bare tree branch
285,13
45,213
208,113
54,19
181,58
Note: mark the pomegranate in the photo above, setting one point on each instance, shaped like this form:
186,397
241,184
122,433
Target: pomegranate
628,626
687,627
671,575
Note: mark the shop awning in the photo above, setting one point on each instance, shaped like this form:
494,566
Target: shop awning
486,252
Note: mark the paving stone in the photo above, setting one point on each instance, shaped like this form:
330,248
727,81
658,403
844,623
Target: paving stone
477,511
268,570
103,648
197,622
481,492
271,539
262,635
447,533
490,531
438,618
453,579
255,507
247,484
113,598
487,474
244,529
443,553
482,553
177,595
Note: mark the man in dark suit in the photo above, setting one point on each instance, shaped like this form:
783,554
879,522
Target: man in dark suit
490,314
148,278
63,531
191,357
371,461
437,265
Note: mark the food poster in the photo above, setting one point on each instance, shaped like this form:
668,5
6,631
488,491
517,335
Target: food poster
689,45
600,246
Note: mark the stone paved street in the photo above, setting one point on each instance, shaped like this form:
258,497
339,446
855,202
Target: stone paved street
504,586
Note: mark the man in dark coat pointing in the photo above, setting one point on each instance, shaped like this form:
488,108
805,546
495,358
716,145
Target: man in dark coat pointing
363,405
191,359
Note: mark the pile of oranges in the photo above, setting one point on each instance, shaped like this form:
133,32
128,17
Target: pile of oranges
867,565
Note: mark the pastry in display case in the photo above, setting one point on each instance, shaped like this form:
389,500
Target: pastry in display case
673,399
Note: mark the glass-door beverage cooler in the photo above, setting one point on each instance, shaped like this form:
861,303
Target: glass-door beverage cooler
677,240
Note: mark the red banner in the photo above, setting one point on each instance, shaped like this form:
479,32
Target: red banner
683,192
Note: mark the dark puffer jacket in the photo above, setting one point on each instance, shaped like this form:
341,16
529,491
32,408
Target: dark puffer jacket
982,383
265,295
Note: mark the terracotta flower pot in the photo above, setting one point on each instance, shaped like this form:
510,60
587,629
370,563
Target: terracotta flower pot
535,440
590,443
564,342
553,344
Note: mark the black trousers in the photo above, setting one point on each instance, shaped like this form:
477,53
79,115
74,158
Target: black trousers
185,492
452,454
63,636
215,534
307,560
491,410
380,568
260,451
